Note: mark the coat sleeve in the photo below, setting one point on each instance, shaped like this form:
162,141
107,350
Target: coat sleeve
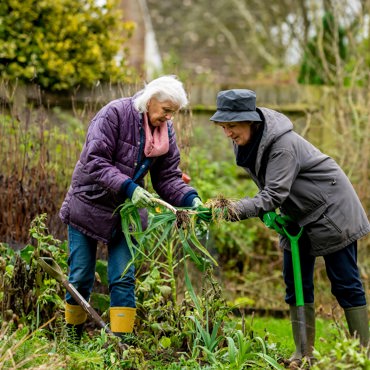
97,156
281,171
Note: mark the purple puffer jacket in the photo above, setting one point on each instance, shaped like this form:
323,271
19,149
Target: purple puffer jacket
111,156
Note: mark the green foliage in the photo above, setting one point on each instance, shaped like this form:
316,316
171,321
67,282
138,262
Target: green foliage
243,351
30,295
22,349
165,228
46,244
346,354
197,323
208,340
62,44
323,53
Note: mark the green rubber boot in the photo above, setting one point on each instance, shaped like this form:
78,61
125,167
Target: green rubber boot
309,309
358,323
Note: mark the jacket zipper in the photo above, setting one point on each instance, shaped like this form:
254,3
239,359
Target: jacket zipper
331,222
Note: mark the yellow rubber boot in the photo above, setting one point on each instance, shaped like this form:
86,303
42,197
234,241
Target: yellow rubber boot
122,320
75,317
74,314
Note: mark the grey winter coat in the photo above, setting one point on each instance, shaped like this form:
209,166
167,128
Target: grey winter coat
111,157
305,184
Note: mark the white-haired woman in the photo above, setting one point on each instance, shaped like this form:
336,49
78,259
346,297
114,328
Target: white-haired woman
127,139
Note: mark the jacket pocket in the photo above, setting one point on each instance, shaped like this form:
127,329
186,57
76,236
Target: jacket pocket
324,233
313,215
99,197
96,222
332,223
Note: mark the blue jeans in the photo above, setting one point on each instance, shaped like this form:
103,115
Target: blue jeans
341,268
82,259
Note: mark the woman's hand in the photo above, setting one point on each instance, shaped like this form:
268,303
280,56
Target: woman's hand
141,198
204,213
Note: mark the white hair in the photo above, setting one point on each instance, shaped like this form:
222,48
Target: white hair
162,88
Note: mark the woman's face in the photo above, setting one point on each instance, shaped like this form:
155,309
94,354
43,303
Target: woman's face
239,132
161,111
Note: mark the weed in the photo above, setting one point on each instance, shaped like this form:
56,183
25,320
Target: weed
28,293
222,209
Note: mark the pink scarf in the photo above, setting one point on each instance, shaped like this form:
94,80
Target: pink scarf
156,141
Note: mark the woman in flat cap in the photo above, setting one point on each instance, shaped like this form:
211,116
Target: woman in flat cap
308,187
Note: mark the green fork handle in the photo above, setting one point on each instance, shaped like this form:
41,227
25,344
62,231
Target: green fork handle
301,316
293,239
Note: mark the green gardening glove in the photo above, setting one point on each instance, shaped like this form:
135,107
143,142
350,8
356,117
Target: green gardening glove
203,213
276,222
142,198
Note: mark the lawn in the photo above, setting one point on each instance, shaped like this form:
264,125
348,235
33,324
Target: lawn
279,331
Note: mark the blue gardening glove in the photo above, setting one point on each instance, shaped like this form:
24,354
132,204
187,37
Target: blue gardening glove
142,198
204,213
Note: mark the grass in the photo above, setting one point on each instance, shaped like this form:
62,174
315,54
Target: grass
279,331
24,349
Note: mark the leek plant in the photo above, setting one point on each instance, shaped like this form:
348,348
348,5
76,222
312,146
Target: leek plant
194,326
170,231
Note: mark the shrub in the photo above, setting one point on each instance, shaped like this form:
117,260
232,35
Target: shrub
62,44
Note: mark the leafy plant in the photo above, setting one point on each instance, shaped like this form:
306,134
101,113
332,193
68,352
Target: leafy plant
62,44
241,352
20,348
28,293
208,340
201,328
346,353
167,229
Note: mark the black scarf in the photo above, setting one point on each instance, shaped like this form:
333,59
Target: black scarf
246,154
